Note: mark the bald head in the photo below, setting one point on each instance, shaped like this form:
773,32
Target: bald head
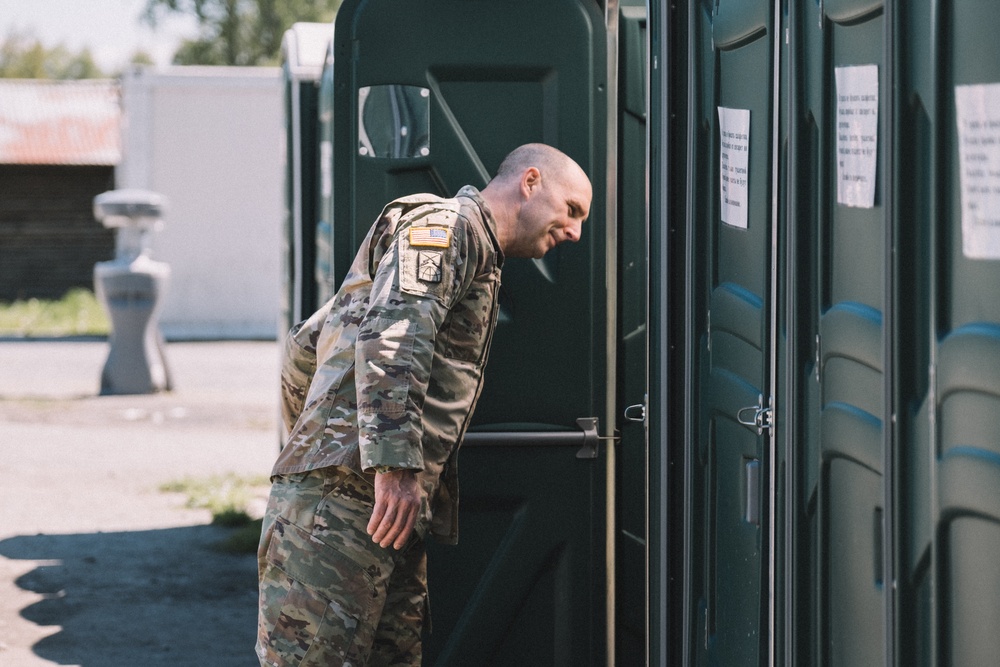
539,199
547,159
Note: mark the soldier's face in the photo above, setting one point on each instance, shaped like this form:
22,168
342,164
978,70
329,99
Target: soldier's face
553,212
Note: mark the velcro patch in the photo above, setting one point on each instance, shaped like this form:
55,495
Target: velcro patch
430,237
429,266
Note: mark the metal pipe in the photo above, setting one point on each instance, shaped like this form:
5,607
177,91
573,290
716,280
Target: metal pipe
611,15
524,439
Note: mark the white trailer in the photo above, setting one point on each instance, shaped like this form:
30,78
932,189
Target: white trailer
210,139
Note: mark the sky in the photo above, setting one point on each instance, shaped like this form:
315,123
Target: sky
110,28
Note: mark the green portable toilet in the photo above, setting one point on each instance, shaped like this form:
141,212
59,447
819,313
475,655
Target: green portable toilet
800,352
836,406
525,583
729,319
947,336
303,51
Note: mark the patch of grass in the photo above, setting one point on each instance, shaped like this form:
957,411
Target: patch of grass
231,518
225,496
77,313
243,540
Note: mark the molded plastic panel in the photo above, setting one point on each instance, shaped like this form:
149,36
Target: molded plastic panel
731,278
970,542
735,619
841,318
853,555
853,434
520,588
737,22
851,357
973,595
967,331
509,73
844,11
633,301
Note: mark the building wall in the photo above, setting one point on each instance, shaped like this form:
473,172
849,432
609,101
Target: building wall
49,239
210,140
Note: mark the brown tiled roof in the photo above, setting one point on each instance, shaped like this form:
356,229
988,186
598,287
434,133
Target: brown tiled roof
60,122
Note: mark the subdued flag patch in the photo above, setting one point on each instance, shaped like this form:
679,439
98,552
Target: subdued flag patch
430,237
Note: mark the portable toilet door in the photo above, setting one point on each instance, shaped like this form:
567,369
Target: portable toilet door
414,113
836,404
946,338
731,333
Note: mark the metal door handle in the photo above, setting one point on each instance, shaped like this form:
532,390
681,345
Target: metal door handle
586,437
636,413
762,416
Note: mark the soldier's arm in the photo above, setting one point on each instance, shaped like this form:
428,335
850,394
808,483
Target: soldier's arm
414,286
298,366
416,282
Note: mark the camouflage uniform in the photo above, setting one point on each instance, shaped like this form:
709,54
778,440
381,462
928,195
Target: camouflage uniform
384,376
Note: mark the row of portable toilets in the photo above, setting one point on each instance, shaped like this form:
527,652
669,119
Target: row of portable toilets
843,231
803,230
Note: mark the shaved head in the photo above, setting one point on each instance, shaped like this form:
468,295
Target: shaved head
539,198
545,158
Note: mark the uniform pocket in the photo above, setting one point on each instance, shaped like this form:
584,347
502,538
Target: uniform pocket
314,601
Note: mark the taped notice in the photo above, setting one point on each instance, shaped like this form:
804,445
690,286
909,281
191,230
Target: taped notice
734,160
978,114
857,135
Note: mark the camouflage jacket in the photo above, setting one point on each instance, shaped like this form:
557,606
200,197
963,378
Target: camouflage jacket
387,373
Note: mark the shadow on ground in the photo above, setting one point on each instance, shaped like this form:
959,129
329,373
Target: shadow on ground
151,597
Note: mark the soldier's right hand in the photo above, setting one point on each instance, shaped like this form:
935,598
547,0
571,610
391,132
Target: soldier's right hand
397,505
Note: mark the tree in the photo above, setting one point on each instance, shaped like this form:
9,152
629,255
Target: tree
141,58
239,32
25,57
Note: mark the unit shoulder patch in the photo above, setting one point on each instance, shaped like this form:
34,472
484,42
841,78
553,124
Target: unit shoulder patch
429,266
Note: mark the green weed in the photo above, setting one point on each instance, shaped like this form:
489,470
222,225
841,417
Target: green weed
227,497
243,540
77,313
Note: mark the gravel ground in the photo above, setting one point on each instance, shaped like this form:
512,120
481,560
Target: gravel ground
98,566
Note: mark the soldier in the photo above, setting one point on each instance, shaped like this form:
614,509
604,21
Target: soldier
378,387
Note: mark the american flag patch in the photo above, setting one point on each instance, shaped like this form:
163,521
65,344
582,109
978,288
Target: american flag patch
430,237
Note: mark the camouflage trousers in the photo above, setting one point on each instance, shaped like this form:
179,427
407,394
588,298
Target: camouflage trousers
328,594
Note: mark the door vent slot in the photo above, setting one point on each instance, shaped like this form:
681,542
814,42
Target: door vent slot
752,505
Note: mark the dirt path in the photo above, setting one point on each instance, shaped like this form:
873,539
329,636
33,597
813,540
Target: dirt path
98,567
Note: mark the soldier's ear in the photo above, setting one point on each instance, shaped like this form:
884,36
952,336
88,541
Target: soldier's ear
530,179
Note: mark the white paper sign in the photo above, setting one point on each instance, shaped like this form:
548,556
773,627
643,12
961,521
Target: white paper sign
857,134
978,115
734,160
